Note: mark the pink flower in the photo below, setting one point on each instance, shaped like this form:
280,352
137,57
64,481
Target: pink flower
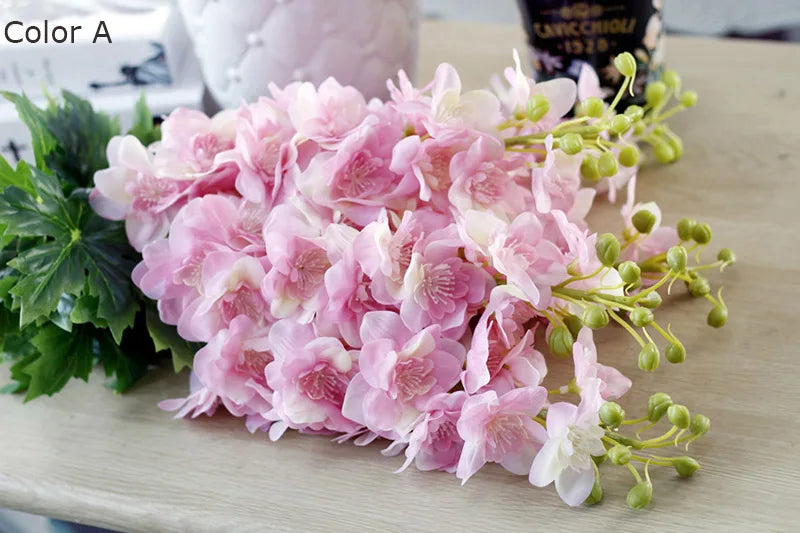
573,436
295,248
557,185
309,377
356,179
201,401
400,370
520,251
560,94
435,444
171,269
328,114
232,366
428,162
132,190
191,141
451,110
230,284
484,179
500,350
589,84
501,430
612,384
439,287
385,256
263,151
409,101
349,299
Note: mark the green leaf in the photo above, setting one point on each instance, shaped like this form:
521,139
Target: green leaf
48,271
25,215
7,280
79,131
144,128
85,311
19,177
165,337
81,249
21,380
36,121
61,316
110,261
62,356
115,362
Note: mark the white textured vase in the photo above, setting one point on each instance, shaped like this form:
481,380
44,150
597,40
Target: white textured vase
243,45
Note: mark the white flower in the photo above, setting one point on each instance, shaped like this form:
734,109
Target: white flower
574,435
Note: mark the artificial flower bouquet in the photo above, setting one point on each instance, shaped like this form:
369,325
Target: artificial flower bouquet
402,270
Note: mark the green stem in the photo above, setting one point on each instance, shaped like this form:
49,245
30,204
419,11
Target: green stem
627,326
635,420
617,98
634,472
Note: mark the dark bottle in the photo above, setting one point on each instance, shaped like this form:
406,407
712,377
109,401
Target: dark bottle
564,34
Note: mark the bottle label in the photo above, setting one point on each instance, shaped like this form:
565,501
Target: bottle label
563,35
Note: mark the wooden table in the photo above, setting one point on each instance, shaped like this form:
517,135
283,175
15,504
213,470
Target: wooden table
117,461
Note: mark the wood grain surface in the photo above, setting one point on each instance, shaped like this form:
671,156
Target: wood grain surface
117,461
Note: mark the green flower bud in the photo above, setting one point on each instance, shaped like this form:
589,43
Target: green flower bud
657,406
629,156
595,317
643,220
537,107
640,495
676,259
596,496
679,416
701,234
593,107
630,272
649,357
675,353
607,164
641,317
626,64
651,300
671,79
727,256
699,286
619,124
607,247
639,127
700,425
654,92
685,466
574,324
685,228
571,143
688,98
718,316
620,455
573,269
664,153
612,414
589,168
560,341
676,144
635,112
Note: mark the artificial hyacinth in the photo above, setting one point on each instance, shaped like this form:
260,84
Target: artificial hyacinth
408,269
